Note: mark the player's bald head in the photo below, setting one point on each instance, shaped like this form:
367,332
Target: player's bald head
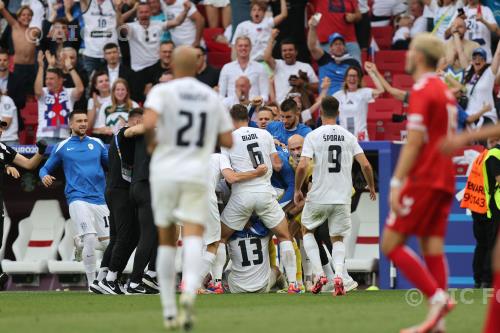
295,144
184,61
295,140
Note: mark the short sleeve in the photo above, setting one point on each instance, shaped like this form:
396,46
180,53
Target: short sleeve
224,162
313,78
367,94
270,140
325,59
100,120
8,108
307,149
8,153
225,123
270,22
356,148
154,100
418,111
192,10
90,104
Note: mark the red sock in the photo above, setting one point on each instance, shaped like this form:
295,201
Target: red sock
413,269
493,319
438,266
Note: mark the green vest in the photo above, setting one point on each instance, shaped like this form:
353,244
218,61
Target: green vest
492,152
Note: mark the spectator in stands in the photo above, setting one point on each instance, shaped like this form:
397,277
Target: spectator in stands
259,28
242,87
289,124
117,70
479,81
402,35
264,117
363,26
4,71
60,33
416,8
55,102
163,66
113,116
337,17
246,67
8,121
158,15
398,94
333,64
288,68
353,102
384,10
482,24
217,9
442,13
99,17
100,93
69,52
24,38
190,31
275,109
206,73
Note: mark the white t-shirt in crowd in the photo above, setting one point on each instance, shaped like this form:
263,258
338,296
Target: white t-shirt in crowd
482,94
101,100
116,120
38,13
283,71
53,115
332,149
259,34
251,147
387,8
402,33
184,34
8,110
100,28
419,26
190,119
442,16
254,71
353,108
144,44
478,31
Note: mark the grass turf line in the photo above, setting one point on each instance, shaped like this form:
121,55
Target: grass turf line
361,311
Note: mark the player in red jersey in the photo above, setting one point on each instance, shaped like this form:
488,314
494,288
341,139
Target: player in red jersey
423,184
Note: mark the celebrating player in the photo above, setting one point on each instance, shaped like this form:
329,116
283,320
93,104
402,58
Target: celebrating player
423,183
189,118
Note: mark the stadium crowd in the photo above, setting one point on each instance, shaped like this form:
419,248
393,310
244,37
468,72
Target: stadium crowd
88,67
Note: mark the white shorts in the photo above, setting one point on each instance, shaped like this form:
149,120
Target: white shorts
212,230
89,218
216,3
235,288
174,202
338,216
240,207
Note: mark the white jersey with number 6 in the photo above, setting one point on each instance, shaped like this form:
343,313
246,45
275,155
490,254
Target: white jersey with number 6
190,118
332,149
251,147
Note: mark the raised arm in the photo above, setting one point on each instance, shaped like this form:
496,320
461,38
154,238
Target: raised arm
79,88
367,171
268,53
134,131
283,13
38,86
84,5
149,120
237,177
199,21
179,19
496,60
379,90
395,92
312,40
123,18
493,27
5,13
459,49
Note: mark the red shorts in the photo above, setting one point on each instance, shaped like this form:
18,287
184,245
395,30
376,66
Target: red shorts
426,212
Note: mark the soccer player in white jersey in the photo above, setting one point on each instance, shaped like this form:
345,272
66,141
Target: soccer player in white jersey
332,149
189,118
252,147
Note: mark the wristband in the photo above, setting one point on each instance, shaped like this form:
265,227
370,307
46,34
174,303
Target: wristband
395,183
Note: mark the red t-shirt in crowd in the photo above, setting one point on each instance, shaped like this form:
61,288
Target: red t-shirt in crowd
432,109
333,19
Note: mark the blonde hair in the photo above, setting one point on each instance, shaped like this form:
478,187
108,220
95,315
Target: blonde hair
114,102
430,46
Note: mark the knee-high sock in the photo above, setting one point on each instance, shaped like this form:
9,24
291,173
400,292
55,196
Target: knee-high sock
298,261
165,263
306,263
312,251
493,318
88,257
207,262
338,257
220,261
413,269
328,271
192,259
438,266
289,261
103,271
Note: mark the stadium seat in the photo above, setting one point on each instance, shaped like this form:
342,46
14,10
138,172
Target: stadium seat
383,36
209,35
39,237
66,249
6,229
368,82
218,59
393,131
392,62
30,116
402,81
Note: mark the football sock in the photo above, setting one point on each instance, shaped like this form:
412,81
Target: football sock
306,263
111,276
312,251
220,261
438,266
103,271
329,272
78,242
338,257
298,261
165,263
102,245
192,261
151,273
289,261
413,269
493,318
88,257
207,263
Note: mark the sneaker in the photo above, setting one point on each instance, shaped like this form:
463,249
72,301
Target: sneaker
322,280
111,287
171,323
3,280
350,285
150,282
293,288
138,290
437,310
338,287
96,289
216,287
186,311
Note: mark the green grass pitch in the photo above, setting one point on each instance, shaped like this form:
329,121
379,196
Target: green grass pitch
360,311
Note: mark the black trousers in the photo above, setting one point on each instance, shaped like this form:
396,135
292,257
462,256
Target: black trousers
485,232
148,239
322,236
124,230
20,84
2,217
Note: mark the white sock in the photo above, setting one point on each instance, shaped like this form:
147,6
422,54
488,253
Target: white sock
192,261
289,261
78,242
207,262
102,245
103,271
220,261
328,272
88,257
312,251
345,273
151,273
165,265
306,263
133,285
111,276
338,256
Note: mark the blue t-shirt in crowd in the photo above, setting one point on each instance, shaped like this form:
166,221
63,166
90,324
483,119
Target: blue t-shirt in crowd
285,178
279,132
328,67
